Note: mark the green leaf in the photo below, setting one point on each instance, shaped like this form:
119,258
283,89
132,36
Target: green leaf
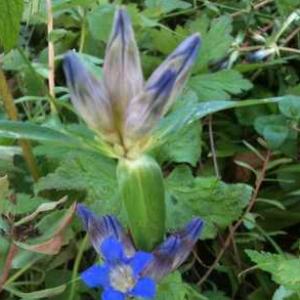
22,130
67,4
164,40
10,19
287,6
218,203
291,108
219,86
215,42
171,288
190,110
3,249
23,204
47,293
215,295
183,147
274,129
100,22
285,271
275,135
88,172
166,6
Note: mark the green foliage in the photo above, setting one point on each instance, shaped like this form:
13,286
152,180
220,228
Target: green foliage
172,287
219,86
207,198
10,19
88,172
247,125
183,147
165,6
284,270
216,41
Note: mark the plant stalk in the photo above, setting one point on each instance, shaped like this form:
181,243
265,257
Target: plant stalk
12,113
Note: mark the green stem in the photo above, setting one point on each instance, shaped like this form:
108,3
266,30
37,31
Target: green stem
12,113
82,32
76,267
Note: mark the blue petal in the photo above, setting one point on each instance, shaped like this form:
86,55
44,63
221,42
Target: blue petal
164,85
145,288
140,261
84,214
192,230
100,228
112,250
110,294
96,276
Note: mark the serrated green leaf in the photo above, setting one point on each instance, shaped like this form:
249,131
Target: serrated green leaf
166,6
171,288
100,22
218,203
219,85
164,40
184,147
88,172
10,19
215,42
285,271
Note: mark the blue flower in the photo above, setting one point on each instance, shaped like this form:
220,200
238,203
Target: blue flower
127,272
119,276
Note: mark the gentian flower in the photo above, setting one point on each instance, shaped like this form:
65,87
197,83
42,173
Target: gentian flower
125,271
121,108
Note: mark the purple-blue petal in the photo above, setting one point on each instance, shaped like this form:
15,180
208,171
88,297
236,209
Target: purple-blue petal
145,288
96,276
192,230
84,214
100,228
112,250
111,294
140,261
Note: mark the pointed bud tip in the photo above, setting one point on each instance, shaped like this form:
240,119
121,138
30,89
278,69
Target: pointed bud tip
194,228
69,58
84,213
194,41
122,24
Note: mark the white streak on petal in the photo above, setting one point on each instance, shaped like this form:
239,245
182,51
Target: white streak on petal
88,96
161,90
123,77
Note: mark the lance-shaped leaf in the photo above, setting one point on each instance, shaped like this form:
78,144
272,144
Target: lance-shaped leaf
100,228
161,90
123,77
88,96
174,251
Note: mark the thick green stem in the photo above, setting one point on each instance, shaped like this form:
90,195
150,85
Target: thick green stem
12,112
142,190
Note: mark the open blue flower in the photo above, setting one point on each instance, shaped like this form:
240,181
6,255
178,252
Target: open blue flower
127,272
119,276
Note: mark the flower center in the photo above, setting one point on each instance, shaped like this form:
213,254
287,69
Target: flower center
121,278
